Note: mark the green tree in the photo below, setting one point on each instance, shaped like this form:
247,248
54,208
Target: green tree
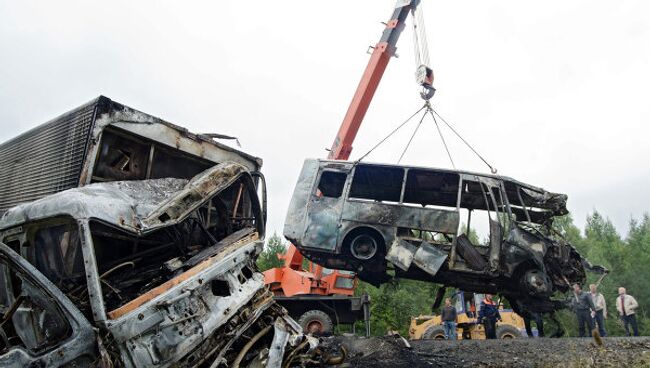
565,227
269,257
394,303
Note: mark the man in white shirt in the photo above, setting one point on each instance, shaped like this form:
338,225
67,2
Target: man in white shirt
626,306
600,313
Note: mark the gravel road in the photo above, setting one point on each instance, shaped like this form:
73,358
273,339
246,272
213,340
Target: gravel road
524,352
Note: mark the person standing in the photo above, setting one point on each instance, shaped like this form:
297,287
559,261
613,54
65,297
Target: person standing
488,316
448,315
626,306
583,306
600,313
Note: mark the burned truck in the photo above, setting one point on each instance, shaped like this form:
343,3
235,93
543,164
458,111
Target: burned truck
128,241
411,222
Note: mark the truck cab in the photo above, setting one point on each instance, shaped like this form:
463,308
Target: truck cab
136,249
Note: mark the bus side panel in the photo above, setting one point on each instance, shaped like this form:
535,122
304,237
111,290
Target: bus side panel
427,219
294,223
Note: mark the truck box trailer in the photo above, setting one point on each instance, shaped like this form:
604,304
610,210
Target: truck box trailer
103,140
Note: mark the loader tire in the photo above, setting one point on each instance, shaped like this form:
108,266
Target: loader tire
316,322
507,332
434,333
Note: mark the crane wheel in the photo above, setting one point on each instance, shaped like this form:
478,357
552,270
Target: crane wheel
316,322
434,333
507,332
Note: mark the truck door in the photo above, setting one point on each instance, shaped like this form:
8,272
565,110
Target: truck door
324,210
39,326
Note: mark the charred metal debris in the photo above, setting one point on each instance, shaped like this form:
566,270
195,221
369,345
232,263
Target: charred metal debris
137,248
410,222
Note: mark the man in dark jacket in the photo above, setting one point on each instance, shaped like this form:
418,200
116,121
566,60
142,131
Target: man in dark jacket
448,315
583,306
488,316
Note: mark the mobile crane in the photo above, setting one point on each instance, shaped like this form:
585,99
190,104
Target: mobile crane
318,296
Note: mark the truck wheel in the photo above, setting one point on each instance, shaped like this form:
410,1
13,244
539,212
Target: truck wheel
316,322
434,333
507,332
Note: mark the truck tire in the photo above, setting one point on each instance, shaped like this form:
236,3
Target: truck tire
316,322
507,332
434,333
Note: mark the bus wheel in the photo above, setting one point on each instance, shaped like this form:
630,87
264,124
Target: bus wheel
364,246
316,322
434,333
507,332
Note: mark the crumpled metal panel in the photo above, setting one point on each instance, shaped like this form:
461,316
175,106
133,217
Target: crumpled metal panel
172,324
130,205
429,258
194,193
401,253
120,203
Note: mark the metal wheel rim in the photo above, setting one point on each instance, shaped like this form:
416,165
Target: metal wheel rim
361,253
314,327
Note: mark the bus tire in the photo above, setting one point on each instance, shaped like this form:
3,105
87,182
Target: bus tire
365,245
507,332
434,333
316,322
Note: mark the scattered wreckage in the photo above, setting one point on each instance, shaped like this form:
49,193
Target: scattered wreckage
377,219
136,249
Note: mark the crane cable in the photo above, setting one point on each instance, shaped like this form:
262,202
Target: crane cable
430,111
417,127
493,170
420,43
390,134
412,136
420,47
433,113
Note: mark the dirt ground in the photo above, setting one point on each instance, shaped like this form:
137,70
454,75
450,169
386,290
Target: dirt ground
524,352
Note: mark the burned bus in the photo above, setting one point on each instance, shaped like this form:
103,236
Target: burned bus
413,222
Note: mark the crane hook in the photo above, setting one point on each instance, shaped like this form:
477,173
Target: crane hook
424,77
427,92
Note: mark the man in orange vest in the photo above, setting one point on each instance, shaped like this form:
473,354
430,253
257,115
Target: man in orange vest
488,316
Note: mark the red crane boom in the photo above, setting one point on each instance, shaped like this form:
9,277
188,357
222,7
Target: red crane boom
289,281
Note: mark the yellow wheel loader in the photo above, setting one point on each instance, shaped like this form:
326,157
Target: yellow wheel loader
467,306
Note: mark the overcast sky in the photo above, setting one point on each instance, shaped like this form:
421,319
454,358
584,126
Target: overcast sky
553,93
